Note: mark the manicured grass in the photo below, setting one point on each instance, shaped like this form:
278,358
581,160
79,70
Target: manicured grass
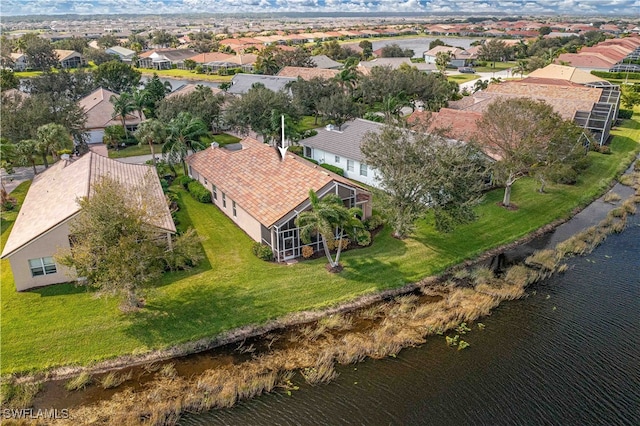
308,122
185,74
27,74
134,150
225,139
500,66
462,78
64,324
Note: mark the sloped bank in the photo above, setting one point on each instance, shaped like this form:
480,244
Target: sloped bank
374,326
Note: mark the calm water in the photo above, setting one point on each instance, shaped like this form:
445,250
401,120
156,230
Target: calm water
569,354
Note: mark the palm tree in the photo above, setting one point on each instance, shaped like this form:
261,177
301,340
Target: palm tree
52,138
122,106
184,133
347,78
392,105
521,68
329,219
151,131
140,101
25,152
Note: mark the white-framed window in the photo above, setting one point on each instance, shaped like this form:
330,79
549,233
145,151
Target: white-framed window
42,266
307,152
363,169
224,200
214,191
233,204
349,165
337,159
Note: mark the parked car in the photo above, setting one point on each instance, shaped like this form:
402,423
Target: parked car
466,70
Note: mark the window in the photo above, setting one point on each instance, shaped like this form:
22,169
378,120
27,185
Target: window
337,159
349,165
234,208
42,266
363,169
307,152
214,191
224,200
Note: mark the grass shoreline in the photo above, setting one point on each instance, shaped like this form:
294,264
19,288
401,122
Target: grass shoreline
389,266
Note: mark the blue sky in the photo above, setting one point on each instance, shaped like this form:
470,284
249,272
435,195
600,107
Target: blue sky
521,7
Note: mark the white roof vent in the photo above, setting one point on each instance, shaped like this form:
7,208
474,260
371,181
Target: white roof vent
214,145
329,127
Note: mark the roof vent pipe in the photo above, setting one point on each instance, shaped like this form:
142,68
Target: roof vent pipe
214,145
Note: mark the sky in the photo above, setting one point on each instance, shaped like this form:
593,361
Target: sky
520,7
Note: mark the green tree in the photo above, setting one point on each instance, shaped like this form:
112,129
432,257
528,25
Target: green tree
151,131
122,106
39,52
190,64
442,61
630,95
201,103
450,186
367,49
544,30
395,51
493,51
435,43
98,56
51,139
77,44
115,245
521,68
329,219
117,77
308,93
113,136
25,153
108,40
183,135
163,38
62,84
300,57
8,80
338,108
266,61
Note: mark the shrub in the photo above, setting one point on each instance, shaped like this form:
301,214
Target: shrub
604,149
617,75
344,243
565,175
374,222
363,238
337,170
625,114
307,251
311,160
184,181
296,149
480,64
199,192
79,382
262,251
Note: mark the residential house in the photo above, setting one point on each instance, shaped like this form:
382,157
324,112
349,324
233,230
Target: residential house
323,61
164,59
263,192
125,55
100,114
19,61
459,57
365,67
308,73
188,88
341,148
241,83
69,58
42,225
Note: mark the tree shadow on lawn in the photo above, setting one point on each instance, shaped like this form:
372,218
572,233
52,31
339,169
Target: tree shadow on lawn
371,270
196,312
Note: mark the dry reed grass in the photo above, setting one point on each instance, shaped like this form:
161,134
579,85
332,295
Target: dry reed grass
336,322
113,379
81,381
612,197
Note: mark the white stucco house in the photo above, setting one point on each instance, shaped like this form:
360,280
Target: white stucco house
341,148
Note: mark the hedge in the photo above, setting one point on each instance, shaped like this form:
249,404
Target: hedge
334,169
625,114
184,181
199,192
617,75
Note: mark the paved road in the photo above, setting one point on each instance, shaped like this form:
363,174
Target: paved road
486,76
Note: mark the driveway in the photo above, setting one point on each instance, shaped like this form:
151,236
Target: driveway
486,76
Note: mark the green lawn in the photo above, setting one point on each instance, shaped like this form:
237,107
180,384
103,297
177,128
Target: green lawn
63,324
185,74
134,150
462,78
500,66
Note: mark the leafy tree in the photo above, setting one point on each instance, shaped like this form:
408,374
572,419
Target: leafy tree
493,51
367,48
201,103
183,135
39,52
117,77
137,42
51,139
190,64
8,80
521,68
113,136
107,41
253,111
544,30
308,93
151,131
163,38
117,248
99,57
335,51
523,133
395,51
300,57
442,61
330,220
205,46
435,43
62,83
266,61
450,186
630,95
338,108
79,44
534,63
122,106
25,153
156,90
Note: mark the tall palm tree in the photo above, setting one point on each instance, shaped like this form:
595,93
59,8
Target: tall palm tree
521,68
25,152
348,77
52,138
329,219
184,133
122,106
151,131
140,100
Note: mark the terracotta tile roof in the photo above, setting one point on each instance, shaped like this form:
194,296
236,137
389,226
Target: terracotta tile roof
592,60
614,52
203,58
255,178
64,54
53,195
308,73
100,110
186,89
562,72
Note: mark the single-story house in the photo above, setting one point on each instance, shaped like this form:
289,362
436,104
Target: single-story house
459,57
19,61
42,225
394,63
70,58
125,55
323,61
308,73
100,115
241,83
263,192
341,148
164,59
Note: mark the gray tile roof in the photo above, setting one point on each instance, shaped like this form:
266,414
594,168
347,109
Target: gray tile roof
241,83
346,142
323,61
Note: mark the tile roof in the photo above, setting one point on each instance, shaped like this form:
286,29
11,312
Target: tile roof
100,110
308,73
241,83
323,61
189,88
562,72
64,54
346,141
591,60
53,195
255,178
203,58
